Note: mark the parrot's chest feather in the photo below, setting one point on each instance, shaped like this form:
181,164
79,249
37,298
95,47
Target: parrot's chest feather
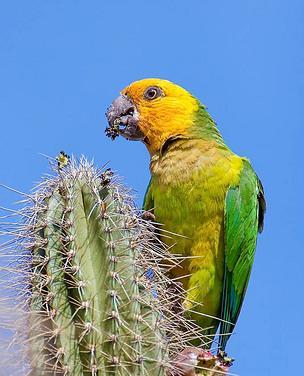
190,183
188,190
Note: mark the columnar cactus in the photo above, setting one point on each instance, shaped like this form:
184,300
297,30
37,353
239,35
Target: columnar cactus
96,299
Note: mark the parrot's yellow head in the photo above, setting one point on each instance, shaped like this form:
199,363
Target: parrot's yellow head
152,110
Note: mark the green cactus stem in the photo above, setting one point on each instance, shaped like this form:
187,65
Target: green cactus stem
88,306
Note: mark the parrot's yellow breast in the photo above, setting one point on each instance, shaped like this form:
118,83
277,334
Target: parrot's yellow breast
189,185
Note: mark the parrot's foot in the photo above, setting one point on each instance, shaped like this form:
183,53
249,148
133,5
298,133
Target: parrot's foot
148,216
194,361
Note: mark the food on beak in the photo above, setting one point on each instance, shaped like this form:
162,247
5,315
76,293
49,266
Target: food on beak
112,130
123,118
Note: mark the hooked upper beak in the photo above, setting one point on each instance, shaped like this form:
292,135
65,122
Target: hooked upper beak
123,119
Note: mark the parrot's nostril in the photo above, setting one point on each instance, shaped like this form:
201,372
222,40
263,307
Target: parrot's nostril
130,111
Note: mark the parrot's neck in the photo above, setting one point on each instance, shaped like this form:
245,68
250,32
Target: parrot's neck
204,128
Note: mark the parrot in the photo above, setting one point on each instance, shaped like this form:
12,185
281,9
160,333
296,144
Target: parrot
207,197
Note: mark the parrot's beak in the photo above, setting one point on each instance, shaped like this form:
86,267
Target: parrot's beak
123,119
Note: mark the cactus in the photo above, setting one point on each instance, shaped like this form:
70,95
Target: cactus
95,299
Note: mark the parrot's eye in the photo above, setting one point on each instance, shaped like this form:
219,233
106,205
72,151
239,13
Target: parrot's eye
153,92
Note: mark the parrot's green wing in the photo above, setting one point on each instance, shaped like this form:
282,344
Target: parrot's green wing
244,213
148,199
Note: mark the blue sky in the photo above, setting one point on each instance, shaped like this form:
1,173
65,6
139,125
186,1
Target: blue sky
63,62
